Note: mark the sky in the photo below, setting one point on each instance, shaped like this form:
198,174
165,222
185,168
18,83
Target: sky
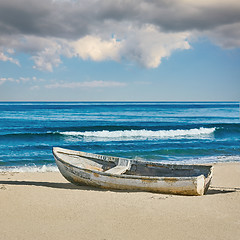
119,50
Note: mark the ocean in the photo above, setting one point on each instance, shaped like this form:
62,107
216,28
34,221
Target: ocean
169,132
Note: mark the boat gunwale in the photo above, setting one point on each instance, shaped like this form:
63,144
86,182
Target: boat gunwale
153,178
108,158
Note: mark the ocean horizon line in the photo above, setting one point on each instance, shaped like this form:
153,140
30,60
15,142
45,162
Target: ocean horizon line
119,101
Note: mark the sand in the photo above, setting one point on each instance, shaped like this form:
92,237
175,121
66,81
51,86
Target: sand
46,206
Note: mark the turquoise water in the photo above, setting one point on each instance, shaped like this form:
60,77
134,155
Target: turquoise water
183,132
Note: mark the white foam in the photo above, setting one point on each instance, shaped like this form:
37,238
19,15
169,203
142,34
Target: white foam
206,160
33,168
140,134
227,158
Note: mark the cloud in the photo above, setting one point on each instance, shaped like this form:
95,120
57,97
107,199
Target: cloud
76,19
48,57
3,80
5,58
147,46
93,47
141,31
46,52
18,80
226,36
87,84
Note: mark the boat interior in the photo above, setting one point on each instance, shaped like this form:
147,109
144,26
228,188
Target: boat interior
115,165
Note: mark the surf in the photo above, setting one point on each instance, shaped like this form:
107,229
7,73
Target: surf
140,134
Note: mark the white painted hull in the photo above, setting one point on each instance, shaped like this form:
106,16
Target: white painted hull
196,185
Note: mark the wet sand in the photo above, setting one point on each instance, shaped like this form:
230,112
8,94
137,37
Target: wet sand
46,206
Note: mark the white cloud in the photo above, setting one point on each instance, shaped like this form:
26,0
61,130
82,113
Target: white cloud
147,46
6,58
97,49
145,31
86,84
18,80
3,80
50,54
46,52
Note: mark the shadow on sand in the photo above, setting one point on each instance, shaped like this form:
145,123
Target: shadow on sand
212,189
54,185
221,190
47,184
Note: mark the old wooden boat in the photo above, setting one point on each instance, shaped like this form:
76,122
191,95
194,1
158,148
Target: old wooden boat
81,168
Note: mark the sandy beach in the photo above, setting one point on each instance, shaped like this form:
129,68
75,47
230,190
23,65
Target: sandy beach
46,206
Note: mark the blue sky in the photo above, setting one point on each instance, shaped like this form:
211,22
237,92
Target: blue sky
53,50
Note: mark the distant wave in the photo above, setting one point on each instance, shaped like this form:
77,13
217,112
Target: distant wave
32,168
124,132
209,159
140,134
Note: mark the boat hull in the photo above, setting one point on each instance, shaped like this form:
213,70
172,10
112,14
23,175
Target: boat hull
170,185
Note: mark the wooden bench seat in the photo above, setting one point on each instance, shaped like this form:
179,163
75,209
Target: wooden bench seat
122,167
117,170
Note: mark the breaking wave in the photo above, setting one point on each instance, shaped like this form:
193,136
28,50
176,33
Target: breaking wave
141,134
32,168
204,160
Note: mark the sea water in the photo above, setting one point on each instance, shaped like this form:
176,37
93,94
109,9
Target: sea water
179,132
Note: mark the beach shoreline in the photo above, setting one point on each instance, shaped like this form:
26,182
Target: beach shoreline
46,206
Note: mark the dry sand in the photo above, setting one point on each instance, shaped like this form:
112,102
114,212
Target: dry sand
45,206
